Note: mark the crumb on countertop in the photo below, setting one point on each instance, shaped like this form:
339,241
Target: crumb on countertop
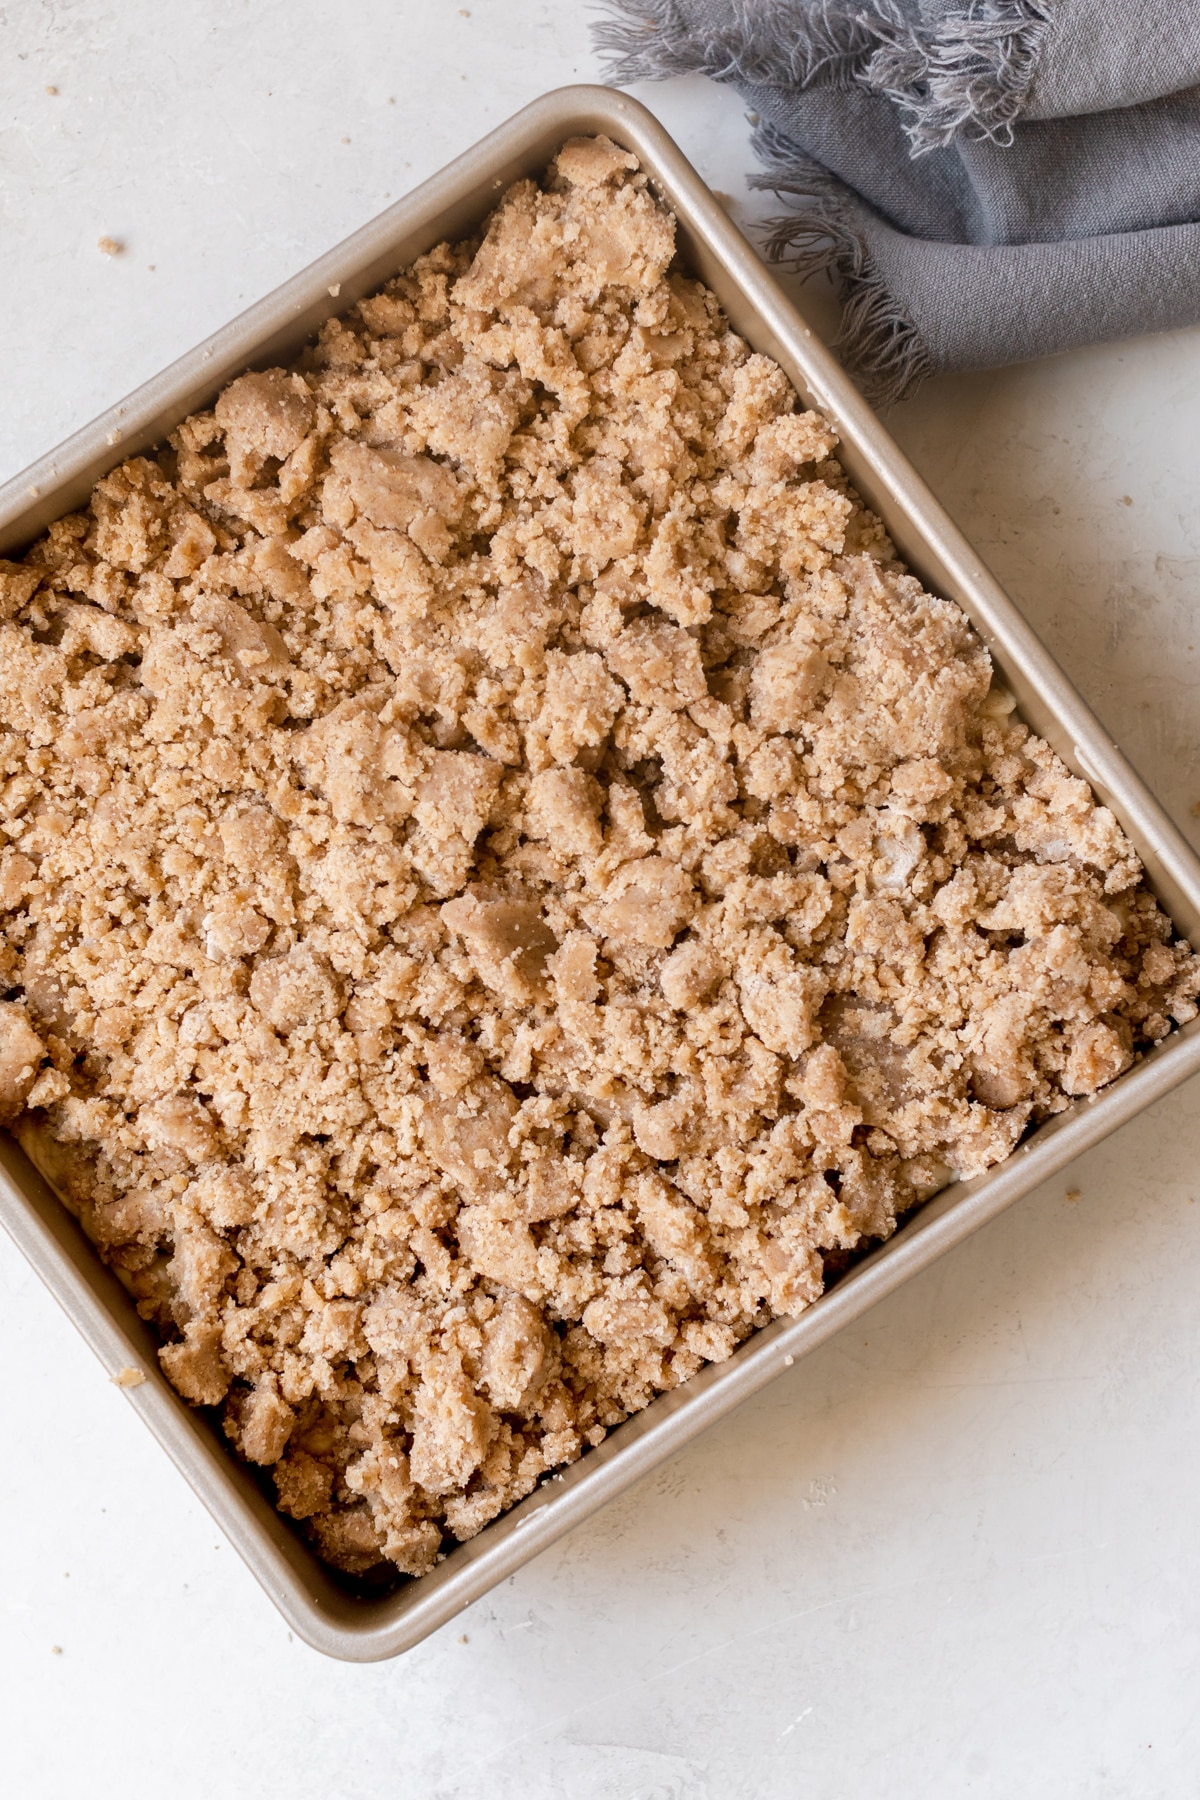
505,880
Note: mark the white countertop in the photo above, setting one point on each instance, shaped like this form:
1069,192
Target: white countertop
954,1552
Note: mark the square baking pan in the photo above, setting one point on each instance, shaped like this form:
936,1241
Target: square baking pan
344,1618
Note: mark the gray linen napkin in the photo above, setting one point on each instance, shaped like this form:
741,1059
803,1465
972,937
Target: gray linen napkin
985,180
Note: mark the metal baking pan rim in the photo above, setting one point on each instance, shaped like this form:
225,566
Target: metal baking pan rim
315,1605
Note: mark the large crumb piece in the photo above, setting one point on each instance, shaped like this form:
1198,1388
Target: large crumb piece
505,881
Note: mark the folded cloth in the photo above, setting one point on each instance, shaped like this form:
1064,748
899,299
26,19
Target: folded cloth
985,180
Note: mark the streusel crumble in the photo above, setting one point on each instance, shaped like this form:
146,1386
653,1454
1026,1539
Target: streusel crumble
505,875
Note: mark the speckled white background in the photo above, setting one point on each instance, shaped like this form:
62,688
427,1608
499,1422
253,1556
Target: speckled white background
955,1552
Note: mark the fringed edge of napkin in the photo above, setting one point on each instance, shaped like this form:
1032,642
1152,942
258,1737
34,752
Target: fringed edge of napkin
790,44
877,341
969,73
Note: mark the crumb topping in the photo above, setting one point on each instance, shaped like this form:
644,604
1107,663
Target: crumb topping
505,880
